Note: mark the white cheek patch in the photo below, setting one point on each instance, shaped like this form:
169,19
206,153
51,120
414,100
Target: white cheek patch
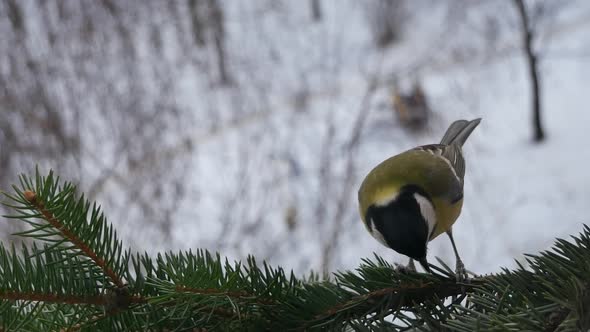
376,234
427,211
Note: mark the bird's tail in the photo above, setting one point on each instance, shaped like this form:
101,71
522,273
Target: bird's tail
459,131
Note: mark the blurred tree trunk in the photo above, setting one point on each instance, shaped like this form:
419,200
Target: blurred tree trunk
198,25
531,57
15,15
316,10
74,98
218,32
386,18
208,28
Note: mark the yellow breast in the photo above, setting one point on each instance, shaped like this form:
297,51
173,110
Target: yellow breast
446,215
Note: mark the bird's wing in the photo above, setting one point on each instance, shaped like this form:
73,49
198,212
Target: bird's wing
451,154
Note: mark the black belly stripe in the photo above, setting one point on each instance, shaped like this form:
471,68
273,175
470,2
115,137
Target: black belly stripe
401,224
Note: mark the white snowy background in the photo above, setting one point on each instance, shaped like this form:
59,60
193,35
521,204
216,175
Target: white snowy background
301,124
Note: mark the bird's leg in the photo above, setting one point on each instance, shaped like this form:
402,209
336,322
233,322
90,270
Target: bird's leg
411,265
406,268
460,271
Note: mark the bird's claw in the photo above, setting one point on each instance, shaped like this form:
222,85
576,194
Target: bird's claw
405,269
460,272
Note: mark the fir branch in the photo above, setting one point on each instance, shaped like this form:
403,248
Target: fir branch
69,223
52,298
550,295
50,277
32,198
106,300
237,295
244,294
83,280
45,271
374,291
403,296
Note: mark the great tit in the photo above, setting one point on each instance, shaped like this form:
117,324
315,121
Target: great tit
413,197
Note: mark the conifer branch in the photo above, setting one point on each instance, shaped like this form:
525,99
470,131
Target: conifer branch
32,198
82,279
98,300
71,225
238,295
52,298
403,296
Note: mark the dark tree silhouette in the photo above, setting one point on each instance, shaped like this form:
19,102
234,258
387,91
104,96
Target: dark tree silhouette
532,61
316,10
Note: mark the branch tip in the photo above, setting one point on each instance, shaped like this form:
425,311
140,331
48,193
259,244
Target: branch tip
30,196
67,233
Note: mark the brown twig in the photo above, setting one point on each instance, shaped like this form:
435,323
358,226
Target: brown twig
53,298
217,292
98,300
403,296
113,302
32,198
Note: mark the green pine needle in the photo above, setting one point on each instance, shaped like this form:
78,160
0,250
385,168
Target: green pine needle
77,275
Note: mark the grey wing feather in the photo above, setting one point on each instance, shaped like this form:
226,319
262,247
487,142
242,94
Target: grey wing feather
452,154
459,131
452,141
449,149
454,129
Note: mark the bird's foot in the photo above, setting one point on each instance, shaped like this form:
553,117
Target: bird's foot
460,272
405,269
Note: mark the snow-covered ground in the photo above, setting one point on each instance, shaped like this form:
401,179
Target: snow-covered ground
275,161
519,196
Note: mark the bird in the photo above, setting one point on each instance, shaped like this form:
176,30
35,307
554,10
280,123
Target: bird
411,198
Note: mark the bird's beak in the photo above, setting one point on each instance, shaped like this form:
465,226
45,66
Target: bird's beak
424,264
